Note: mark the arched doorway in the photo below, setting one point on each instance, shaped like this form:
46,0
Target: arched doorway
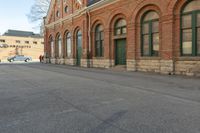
120,42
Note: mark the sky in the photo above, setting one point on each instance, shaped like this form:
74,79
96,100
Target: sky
13,15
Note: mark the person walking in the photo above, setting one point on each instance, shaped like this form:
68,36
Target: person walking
40,58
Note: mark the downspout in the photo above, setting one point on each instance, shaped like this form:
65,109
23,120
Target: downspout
173,49
89,39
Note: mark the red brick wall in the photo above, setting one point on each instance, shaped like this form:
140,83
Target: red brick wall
131,11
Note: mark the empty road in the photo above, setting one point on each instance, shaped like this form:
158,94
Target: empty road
44,98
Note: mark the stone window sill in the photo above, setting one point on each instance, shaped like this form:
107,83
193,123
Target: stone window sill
187,58
149,58
98,58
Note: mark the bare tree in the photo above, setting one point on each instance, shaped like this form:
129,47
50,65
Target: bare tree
38,10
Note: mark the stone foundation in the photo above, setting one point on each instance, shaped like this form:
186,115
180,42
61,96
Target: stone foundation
101,63
53,60
131,65
60,61
47,60
148,65
85,62
189,68
69,61
166,67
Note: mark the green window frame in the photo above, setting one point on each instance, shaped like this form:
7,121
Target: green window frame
120,27
58,46
190,35
51,43
68,45
150,37
99,41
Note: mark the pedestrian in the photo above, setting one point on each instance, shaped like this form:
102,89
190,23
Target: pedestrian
40,58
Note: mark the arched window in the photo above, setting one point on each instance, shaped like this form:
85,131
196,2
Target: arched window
79,38
120,27
190,29
66,9
78,47
59,46
99,40
52,46
150,34
57,14
68,45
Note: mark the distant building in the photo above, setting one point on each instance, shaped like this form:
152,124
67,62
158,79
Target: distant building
14,42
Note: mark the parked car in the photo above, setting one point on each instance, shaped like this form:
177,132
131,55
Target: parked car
19,58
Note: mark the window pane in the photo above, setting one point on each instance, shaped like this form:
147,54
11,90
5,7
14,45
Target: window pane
121,23
120,27
100,28
156,44
192,6
151,15
102,48
69,47
124,30
79,33
198,19
145,28
52,49
198,41
59,48
146,45
97,36
155,26
118,31
102,35
187,21
97,48
79,41
187,41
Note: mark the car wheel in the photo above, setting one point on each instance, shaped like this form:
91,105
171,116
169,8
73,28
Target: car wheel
27,60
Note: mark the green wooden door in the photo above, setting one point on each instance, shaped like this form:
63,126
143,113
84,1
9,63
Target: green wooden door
79,50
120,52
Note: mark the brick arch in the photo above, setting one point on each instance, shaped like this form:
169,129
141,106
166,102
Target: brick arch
114,19
176,6
119,12
95,23
65,33
140,11
50,36
58,33
142,7
76,29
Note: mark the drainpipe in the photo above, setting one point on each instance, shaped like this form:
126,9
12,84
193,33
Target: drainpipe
89,37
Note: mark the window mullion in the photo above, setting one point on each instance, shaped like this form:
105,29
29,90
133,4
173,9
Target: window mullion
194,35
99,44
150,38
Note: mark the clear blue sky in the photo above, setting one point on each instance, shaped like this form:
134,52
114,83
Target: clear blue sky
13,15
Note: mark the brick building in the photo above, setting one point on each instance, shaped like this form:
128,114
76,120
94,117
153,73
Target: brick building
15,42
142,35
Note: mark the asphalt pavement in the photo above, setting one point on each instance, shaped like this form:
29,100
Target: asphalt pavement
46,98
